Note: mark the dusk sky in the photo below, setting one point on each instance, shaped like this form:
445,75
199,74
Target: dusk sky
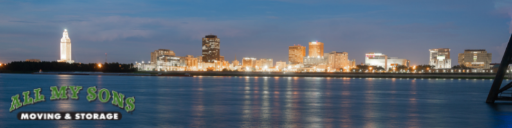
130,30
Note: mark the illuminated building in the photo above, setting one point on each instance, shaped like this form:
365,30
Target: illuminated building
199,59
264,63
440,58
191,62
65,48
161,52
376,59
248,62
211,49
236,63
280,64
338,60
381,60
395,61
316,49
352,63
221,58
475,58
296,54
32,60
312,61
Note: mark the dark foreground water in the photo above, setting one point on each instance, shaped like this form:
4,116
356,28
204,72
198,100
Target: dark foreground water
267,102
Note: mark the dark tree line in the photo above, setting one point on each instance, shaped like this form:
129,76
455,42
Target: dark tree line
22,66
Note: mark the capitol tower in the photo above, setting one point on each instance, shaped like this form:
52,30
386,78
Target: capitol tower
65,48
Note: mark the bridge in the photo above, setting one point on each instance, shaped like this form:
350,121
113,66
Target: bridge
497,93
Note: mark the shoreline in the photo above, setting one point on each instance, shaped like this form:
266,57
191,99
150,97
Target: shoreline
285,74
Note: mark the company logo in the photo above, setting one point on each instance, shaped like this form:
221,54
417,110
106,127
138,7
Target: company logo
103,95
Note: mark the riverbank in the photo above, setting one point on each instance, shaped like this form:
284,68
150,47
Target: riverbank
335,74
290,74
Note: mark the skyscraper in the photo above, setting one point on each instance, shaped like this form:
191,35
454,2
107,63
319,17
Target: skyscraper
338,60
475,58
440,58
296,54
65,48
316,49
211,49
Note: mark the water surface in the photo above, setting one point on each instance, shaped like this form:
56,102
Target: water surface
267,102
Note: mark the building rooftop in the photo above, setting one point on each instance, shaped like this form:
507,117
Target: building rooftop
474,50
211,36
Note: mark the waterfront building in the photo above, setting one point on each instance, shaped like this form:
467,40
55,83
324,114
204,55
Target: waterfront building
191,62
211,49
236,63
264,63
440,58
316,49
376,59
296,54
352,64
381,60
65,48
313,61
161,52
338,60
32,60
199,59
475,58
206,66
280,65
395,61
248,62
221,58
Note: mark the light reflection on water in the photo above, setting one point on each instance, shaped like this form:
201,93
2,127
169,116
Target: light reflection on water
268,101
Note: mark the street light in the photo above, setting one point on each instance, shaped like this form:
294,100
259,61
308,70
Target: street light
99,65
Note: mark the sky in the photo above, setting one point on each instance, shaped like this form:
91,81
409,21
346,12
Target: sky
129,30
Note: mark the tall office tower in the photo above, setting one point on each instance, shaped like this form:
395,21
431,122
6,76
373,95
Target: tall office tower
161,52
65,48
475,58
338,60
296,54
316,49
211,49
440,58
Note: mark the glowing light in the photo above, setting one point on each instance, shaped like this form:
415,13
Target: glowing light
99,65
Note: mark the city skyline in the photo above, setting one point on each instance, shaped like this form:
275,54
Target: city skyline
128,36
